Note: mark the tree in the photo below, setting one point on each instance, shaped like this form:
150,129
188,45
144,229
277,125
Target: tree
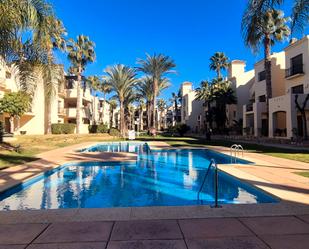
161,109
145,90
112,108
122,79
219,62
300,12
80,54
266,29
15,104
105,89
205,93
156,66
223,95
94,83
141,108
174,100
302,110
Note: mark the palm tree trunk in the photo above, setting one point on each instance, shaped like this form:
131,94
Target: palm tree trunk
78,104
103,107
121,118
155,90
267,44
141,119
48,110
148,114
111,118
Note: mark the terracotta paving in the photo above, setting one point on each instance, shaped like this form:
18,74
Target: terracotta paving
286,232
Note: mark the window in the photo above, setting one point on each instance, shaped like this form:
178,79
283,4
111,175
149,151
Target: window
298,89
262,76
262,98
296,66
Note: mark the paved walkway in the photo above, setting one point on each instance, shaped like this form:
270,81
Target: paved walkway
288,232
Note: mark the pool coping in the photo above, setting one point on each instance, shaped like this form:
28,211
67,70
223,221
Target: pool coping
284,207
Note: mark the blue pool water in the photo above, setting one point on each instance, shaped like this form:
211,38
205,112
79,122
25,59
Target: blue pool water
158,178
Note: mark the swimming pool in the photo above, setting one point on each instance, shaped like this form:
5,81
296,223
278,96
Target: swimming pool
158,178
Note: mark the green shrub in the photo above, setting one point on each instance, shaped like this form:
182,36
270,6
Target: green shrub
102,128
63,128
1,132
182,129
114,132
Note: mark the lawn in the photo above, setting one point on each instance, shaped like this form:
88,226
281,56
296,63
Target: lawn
30,146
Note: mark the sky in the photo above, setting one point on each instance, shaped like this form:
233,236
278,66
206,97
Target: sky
189,31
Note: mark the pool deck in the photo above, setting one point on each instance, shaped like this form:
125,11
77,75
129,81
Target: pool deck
275,225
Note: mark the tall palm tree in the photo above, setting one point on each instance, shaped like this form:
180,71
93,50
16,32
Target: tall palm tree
105,89
219,62
112,108
266,29
51,36
205,93
156,66
94,83
145,90
161,109
80,54
300,12
141,108
122,79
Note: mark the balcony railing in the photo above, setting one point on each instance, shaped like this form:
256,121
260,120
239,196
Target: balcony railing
249,107
294,70
61,110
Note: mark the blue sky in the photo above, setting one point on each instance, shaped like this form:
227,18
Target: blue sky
188,31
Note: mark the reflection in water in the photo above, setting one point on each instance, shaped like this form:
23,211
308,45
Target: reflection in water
157,179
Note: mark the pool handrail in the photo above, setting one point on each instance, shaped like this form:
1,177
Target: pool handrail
206,174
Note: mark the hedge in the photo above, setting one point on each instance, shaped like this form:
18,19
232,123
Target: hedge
63,128
114,132
102,128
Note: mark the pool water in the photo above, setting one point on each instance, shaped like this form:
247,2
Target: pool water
158,178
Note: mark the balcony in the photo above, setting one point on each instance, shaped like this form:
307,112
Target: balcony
71,113
72,93
294,71
61,92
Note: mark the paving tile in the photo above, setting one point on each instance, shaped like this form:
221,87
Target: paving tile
82,245
76,232
227,243
20,233
304,218
296,241
139,230
147,244
207,228
13,246
276,225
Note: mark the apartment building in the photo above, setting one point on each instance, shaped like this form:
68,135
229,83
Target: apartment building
290,80
63,105
192,110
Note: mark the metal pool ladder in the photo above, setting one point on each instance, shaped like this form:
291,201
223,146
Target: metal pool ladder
236,149
214,164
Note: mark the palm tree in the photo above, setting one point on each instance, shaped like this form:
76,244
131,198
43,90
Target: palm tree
223,95
112,108
80,53
51,36
161,109
94,83
174,100
266,29
105,89
145,89
256,8
219,62
156,66
141,108
205,93
122,79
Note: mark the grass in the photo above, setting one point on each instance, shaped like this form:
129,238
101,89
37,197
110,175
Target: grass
304,174
30,146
